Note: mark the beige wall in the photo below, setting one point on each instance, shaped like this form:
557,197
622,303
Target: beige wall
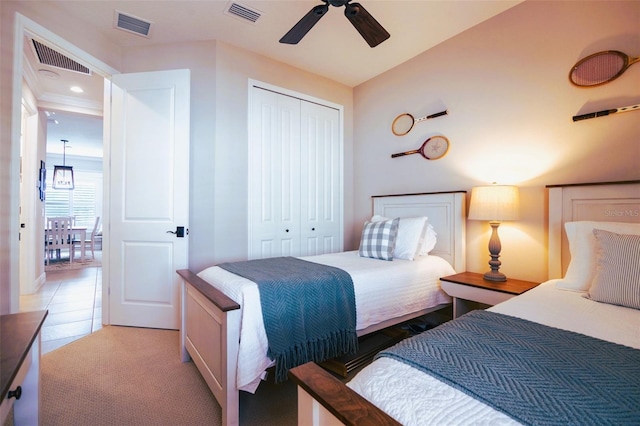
505,84
234,68
220,76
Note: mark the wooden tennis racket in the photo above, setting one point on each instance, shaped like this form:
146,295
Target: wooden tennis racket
606,112
432,149
403,123
600,68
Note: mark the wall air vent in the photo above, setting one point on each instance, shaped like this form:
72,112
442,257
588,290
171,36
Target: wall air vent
243,12
48,56
131,24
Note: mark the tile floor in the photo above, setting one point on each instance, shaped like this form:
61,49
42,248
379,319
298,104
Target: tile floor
74,301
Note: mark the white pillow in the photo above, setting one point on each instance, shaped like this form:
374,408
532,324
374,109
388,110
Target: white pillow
429,240
582,246
410,232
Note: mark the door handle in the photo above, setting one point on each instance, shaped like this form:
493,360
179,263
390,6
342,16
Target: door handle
179,232
15,393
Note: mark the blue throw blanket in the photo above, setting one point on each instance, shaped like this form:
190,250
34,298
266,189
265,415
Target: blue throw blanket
533,373
309,309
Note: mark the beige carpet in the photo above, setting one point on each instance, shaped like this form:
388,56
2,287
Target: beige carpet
124,376
133,376
64,264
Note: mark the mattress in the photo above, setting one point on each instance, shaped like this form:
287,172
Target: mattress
416,398
384,290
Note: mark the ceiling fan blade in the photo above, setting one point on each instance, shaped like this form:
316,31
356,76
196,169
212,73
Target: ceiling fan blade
367,26
303,26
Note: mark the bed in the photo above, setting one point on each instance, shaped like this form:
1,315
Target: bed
392,391
222,329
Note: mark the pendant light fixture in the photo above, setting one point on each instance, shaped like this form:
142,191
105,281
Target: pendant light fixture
63,175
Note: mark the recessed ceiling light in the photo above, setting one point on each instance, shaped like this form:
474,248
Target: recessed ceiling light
48,73
77,89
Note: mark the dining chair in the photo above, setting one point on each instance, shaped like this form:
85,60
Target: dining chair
58,236
91,241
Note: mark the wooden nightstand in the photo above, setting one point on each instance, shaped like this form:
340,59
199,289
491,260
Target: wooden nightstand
469,289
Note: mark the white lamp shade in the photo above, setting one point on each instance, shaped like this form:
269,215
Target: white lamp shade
494,203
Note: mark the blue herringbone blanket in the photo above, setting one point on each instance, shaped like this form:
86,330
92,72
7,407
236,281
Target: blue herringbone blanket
309,309
537,375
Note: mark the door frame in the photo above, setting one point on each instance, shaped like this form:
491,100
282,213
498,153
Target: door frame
23,26
308,98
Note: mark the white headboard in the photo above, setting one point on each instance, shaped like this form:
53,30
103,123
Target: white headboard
605,202
446,212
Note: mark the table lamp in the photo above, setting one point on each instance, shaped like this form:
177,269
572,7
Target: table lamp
494,203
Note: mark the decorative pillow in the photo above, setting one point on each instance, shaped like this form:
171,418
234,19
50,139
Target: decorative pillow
582,246
379,239
617,279
429,240
410,232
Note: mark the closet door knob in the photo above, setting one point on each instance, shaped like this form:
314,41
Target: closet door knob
313,229
286,230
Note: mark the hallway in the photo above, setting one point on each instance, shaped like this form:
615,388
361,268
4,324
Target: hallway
74,301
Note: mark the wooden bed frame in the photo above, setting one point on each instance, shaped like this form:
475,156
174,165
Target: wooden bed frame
324,400
210,323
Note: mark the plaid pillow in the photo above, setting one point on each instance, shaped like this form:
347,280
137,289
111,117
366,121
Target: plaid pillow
379,239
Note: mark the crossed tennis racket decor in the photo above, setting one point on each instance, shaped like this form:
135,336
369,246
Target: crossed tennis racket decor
433,148
600,68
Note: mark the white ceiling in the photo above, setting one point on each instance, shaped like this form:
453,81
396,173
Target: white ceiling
332,48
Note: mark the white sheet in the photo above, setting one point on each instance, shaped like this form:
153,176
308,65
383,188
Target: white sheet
415,398
383,290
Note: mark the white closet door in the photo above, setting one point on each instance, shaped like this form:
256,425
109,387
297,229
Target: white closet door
274,175
320,180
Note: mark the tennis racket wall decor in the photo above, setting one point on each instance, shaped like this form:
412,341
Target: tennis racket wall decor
403,123
606,112
432,149
600,68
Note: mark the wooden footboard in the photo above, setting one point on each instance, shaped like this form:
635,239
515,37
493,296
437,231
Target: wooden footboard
324,400
210,334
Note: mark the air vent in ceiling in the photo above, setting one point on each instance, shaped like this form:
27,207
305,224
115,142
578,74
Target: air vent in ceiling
243,12
48,56
131,24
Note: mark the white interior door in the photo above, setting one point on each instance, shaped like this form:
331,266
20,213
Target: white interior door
148,197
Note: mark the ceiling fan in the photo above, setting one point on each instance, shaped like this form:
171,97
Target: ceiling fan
367,26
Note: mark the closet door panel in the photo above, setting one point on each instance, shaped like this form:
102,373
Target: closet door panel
320,179
274,169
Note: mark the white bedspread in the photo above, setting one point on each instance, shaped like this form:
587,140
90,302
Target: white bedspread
383,290
415,398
